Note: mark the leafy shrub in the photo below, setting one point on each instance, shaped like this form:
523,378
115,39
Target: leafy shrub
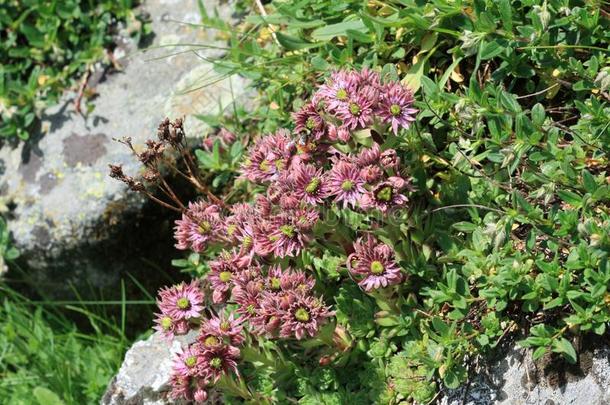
505,232
44,46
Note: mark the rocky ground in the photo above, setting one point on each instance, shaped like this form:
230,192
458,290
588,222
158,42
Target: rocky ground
145,373
71,222
513,378
510,379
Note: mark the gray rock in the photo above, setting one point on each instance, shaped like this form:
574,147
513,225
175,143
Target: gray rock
145,373
517,380
72,223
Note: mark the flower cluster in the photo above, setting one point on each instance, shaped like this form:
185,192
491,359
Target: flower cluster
334,161
280,303
355,100
312,171
204,362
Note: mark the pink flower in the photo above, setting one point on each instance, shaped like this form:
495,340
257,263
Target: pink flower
337,90
247,296
200,395
338,133
268,157
222,271
309,120
225,137
371,174
375,263
389,159
304,317
357,112
169,327
182,301
189,363
287,234
368,156
385,195
219,361
394,107
297,281
181,387
345,183
268,315
199,226
227,328
305,219
264,242
368,77
309,185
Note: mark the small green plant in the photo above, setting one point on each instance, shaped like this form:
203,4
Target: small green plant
7,252
47,360
46,46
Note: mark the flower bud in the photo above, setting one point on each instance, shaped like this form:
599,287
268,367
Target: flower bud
389,159
200,395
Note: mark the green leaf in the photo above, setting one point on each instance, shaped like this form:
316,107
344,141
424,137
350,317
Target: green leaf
509,102
319,63
292,43
413,78
491,50
539,352
563,346
589,181
451,380
205,158
331,31
570,197
45,396
538,115
505,8
464,226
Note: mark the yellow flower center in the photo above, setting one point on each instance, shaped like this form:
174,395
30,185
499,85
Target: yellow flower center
204,227
225,276
311,123
385,194
313,185
183,303
395,109
275,283
377,267
264,166
231,229
190,361
287,230
211,341
301,315
247,242
347,185
166,322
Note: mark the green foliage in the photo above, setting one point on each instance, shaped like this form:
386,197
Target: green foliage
45,46
7,252
46,360
508,232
